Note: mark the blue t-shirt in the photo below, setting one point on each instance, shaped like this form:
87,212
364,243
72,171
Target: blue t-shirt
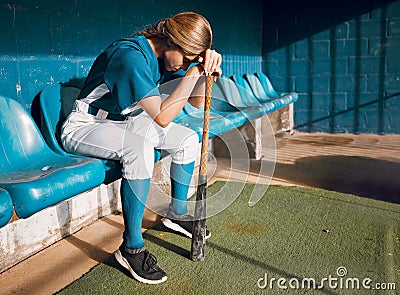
130,71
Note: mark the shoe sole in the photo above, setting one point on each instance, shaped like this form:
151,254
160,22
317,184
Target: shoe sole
176,227
123,262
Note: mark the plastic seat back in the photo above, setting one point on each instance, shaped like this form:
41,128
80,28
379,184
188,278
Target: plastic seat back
266,84
232,93
56,102
219,105
258,89
219,101
34,175
20,140
245,91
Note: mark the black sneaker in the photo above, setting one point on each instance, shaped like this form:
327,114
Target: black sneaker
143,266
181,223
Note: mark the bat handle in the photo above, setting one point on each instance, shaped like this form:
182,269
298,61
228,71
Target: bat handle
206,126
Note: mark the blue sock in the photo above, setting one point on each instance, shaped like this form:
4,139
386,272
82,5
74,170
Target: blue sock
133,196
181,174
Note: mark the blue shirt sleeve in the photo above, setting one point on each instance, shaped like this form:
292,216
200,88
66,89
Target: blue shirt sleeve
130,77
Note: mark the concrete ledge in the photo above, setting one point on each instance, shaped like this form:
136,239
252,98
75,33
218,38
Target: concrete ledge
282,120
246,140
25,237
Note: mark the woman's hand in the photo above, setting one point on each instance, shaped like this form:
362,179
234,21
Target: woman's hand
209,64
212,62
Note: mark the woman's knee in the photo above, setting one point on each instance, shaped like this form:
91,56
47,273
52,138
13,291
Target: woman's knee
188,149
137,159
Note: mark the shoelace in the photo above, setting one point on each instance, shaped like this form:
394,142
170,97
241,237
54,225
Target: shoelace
149,261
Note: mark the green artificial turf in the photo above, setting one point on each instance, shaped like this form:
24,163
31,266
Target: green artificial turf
293,236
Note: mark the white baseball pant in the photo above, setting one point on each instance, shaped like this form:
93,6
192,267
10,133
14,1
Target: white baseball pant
132,141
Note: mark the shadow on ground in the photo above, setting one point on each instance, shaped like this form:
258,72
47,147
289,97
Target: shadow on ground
362,176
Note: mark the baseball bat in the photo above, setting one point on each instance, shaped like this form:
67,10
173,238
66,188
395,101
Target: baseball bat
199,225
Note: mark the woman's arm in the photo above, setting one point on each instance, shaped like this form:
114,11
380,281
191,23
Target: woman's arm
191,89
163,112
212,66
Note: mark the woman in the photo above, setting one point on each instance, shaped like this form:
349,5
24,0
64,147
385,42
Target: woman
120,115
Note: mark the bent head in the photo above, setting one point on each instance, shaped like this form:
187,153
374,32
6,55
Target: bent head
186,36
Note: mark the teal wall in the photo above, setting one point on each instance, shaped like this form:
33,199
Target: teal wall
342,57
45,41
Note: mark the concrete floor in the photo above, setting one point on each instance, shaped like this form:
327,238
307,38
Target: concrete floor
365,165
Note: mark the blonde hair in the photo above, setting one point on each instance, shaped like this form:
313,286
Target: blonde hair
189,31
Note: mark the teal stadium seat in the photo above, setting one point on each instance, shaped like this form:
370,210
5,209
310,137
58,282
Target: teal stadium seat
261,86
6,207
56,102
223,115
34,175
243,99
266,84
264,93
